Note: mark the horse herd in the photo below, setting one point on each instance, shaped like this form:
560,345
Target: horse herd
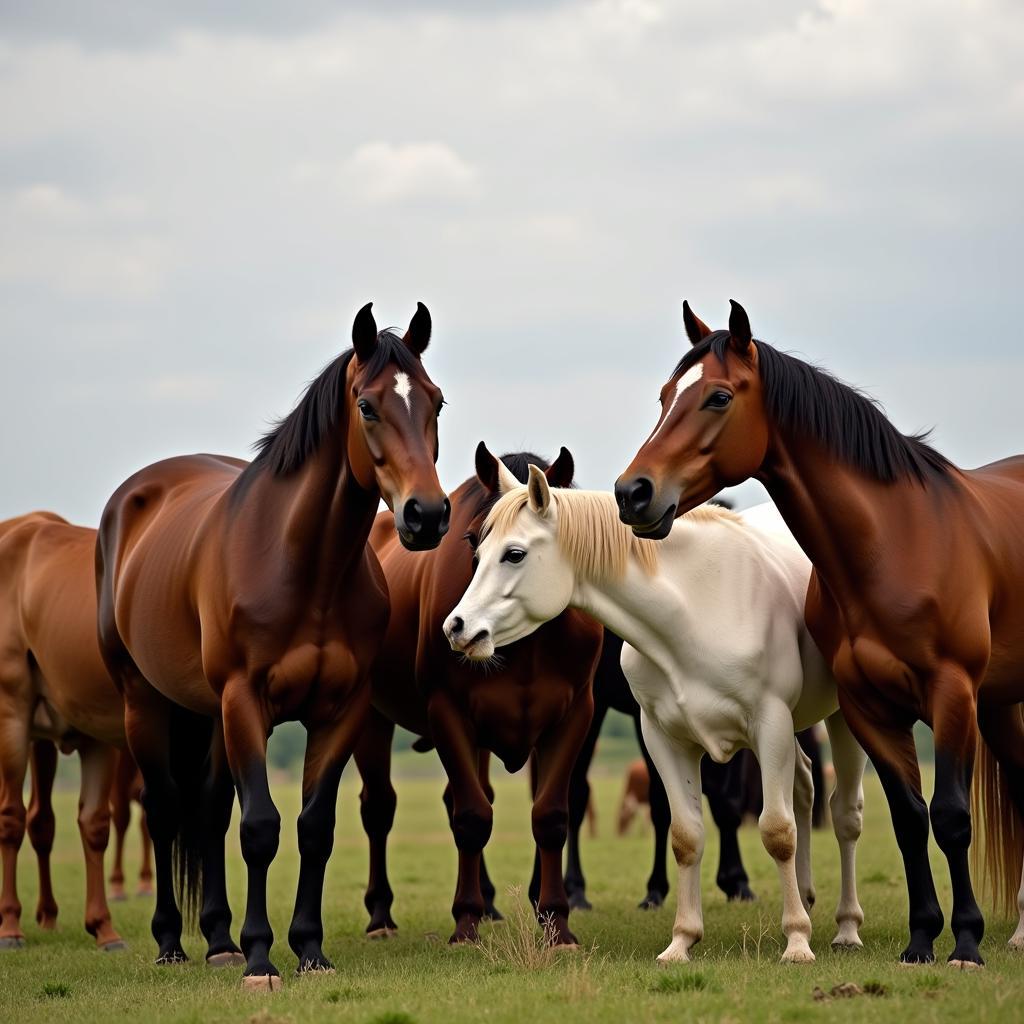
219,598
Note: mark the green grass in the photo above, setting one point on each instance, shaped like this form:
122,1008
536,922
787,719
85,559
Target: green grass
416,977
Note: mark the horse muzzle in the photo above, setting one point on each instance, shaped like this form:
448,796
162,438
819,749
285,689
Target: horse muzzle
422,524
640,509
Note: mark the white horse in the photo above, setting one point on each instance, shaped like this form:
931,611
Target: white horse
716,653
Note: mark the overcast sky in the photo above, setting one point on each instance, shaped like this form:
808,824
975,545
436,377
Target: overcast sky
193,205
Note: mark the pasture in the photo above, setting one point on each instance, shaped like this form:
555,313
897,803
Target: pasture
416,977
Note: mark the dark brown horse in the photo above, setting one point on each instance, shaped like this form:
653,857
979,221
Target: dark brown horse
917,595
233,597
535,698
55,689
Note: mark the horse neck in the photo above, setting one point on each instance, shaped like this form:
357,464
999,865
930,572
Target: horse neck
649,612
321,512
838,515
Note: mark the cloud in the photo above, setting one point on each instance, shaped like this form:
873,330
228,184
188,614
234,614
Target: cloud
195,193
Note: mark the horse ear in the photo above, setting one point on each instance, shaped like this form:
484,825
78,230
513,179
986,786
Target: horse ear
538,491
696,329
739,327
496,477
364,333
417,337
562,470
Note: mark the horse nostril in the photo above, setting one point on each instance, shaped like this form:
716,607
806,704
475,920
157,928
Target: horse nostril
412,513
446,515
482,635
634,496
456,625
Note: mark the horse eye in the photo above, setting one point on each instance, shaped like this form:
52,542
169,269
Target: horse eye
514,555
718,400
472,539
366,409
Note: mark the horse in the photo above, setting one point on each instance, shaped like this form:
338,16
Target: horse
127,789
635,795
535,698
54,689
722,784
234,596
716,653
916,599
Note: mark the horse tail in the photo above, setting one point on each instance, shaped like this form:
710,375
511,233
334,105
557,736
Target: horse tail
997,856
190,738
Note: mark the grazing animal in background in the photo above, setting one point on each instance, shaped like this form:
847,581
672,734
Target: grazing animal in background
127,789
53,687
916,599
235,596
635,795
535,697
723,785
716,653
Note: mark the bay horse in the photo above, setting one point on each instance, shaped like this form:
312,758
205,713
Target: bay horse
534,697
916,599
722,784
54,689
716,653
235,596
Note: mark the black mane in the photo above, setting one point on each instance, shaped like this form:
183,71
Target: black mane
848,423
293,439
518,464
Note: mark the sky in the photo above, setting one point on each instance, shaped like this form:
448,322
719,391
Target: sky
195,199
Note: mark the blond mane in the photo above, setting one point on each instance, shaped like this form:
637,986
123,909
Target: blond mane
590,533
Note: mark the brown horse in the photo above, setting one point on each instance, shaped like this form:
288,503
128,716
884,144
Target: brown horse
233,597
127,789
917,595
535,697
53,687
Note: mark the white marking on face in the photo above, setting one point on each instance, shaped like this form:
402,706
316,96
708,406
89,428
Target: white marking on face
692,375
403,388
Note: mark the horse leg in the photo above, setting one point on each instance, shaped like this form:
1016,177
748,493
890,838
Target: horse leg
557,751
120,816
846,805
803,809
42,827
491,912
1003,731
723,786
246,728
146,856
809,744
579,797
14,754
377,803
217,797
661,819
776,748
954,718
678,765
332,737
890,745
98,763
471,816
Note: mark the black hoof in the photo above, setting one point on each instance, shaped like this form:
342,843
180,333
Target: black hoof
578,901
172,957
917,955
741,894
315,963
652,901
492,913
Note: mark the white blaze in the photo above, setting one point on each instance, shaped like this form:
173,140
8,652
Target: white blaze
403,388
692,375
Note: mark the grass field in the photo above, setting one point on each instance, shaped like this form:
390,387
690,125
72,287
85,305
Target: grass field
417,977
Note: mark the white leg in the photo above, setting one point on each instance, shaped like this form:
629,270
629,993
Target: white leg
847,807
679,767
776,751
1017,939
803,807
